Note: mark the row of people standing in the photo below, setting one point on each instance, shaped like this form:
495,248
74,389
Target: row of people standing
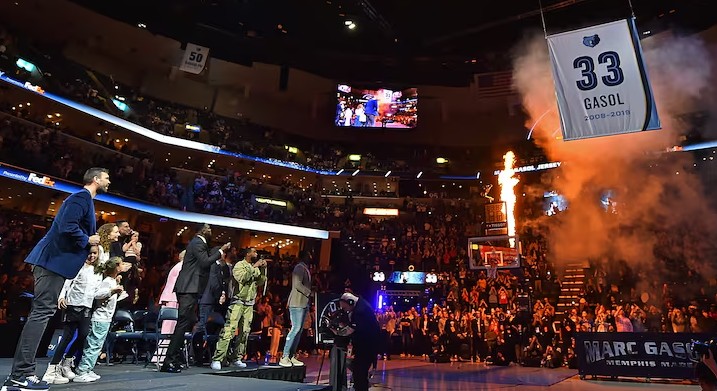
58,256
231,289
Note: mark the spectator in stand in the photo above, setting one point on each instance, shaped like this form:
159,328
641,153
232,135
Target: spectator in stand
622,322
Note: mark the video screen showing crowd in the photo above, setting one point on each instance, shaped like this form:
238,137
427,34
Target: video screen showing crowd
376,108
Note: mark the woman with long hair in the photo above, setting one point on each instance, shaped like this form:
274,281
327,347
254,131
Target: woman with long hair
108,233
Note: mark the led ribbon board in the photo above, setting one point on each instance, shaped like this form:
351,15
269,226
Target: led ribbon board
134,128
58,185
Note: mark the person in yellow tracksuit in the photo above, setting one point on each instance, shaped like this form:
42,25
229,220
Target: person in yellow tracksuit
247,277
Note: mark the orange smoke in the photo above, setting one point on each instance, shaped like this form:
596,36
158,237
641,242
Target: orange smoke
650,195
507,181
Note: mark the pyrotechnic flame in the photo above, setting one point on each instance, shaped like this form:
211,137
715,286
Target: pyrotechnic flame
507,181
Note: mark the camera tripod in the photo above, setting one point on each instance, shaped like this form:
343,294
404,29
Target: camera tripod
338,359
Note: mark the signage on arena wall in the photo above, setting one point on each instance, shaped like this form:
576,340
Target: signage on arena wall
194,59
31,177
41,180
601,83
380,211
496,221
539,167
270,201
650,355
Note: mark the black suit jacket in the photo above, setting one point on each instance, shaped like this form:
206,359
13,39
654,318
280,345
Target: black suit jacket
193,277
219,275
366,329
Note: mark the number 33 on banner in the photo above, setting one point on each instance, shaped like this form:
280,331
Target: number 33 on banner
601,83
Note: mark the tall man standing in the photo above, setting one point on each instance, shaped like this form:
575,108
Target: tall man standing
371,110
246,279
59,255
213,299
191,282
298,306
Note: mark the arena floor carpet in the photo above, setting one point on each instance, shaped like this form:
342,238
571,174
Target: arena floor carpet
395,375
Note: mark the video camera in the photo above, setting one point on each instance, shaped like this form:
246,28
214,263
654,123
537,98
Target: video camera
333,320
703,347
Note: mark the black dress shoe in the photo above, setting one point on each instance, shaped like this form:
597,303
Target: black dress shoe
170,369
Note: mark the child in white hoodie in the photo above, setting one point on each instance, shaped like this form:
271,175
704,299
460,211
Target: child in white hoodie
76,300
107,295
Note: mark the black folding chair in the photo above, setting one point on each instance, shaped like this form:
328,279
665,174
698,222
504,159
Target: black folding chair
123,324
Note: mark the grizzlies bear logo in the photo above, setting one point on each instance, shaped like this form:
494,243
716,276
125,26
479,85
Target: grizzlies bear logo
591,41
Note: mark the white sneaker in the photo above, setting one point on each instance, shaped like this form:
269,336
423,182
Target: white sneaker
216,365
66,367
96,376
53,375
84,378
296,362
285,362
239,364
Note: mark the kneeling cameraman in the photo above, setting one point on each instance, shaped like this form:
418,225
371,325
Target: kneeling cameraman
365,332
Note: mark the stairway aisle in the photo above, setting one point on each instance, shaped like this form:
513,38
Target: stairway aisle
573,282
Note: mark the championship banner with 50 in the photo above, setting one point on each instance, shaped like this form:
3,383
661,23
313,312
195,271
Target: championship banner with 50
601,83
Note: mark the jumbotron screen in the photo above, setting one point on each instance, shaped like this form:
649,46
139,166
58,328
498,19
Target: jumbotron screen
554,203
376,108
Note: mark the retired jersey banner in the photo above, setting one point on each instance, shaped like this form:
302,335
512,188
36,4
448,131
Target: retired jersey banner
600,81
195,57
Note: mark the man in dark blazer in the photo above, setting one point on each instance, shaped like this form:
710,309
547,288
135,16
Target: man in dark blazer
59,255
365,332
191,282
213,299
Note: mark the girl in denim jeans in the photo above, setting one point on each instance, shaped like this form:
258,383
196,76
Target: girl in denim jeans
108,293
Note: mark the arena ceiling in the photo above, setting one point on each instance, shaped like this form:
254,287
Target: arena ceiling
422,42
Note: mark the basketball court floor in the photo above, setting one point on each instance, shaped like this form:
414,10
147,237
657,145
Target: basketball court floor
398,374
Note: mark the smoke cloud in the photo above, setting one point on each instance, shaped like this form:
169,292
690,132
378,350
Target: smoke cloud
654,193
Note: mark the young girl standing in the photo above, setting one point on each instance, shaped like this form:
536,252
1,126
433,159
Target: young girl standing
107,294
76,299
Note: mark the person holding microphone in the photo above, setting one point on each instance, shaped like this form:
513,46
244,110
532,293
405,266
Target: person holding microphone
247,275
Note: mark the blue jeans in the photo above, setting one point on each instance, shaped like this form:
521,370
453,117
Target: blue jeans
93,346
297,317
